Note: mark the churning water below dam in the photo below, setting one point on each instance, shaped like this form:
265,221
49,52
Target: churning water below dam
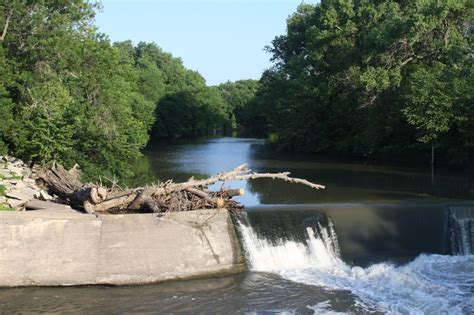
429,284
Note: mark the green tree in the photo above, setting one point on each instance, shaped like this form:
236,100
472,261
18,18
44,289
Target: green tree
367,77
68,94
240,97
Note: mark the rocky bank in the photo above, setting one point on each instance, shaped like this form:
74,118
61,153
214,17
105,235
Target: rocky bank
18,185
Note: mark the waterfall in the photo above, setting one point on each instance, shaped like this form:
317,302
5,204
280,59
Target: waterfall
461,230
430,284
319,249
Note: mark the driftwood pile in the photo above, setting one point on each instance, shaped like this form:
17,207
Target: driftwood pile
161,198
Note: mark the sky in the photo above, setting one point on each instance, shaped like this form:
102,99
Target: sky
222,39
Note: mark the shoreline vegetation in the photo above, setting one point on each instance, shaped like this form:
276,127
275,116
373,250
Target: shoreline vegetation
361,79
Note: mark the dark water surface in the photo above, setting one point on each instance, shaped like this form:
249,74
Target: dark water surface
392,217
247,293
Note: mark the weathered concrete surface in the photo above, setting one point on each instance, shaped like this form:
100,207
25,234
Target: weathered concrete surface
67,248
48,249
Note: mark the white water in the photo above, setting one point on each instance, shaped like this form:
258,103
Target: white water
462,230
430,284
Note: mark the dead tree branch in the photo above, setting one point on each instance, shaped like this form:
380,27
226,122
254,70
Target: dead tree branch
168,196
7,17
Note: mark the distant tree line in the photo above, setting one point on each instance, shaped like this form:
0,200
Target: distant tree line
370,78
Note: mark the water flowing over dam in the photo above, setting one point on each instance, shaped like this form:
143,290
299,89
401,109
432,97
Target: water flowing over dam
379,239
460,222
430,283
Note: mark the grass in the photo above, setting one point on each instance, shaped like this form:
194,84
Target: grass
5,208
10,177
2,190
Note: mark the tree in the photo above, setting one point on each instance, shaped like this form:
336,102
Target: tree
240,98
68,94
367,77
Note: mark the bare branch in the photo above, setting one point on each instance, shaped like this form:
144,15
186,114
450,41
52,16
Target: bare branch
242,172
8,15
404,62
167,196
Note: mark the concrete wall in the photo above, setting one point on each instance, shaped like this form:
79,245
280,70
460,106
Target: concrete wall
67,248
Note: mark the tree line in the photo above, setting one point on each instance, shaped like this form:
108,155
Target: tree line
354,77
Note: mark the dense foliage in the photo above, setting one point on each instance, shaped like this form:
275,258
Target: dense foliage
357,77
366,77
240,99
67,94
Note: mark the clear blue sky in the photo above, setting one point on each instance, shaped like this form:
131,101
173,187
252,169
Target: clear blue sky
222,39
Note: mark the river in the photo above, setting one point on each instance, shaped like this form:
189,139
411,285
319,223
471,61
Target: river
379,239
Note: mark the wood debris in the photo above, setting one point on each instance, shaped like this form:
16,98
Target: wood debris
168,196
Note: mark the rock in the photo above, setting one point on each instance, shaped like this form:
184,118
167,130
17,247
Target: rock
5,173
25,194
3,199
29,180
18,171
19,184
26,172
46,205
15,203
43,195
11,181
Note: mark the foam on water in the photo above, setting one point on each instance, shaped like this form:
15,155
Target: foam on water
429,284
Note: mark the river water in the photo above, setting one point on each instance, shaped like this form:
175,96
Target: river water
379,239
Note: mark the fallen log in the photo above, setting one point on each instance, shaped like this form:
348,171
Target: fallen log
168,196
218,202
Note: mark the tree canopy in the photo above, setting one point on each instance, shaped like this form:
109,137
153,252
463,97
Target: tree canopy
362,77
357,77
68,94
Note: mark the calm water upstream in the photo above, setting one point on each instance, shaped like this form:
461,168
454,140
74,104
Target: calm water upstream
379,239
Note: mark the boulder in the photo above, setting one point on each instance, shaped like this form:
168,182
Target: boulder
15,203
24,194
18,171
4,173
43,195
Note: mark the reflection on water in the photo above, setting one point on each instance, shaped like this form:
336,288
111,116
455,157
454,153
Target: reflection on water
344,181
249,293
